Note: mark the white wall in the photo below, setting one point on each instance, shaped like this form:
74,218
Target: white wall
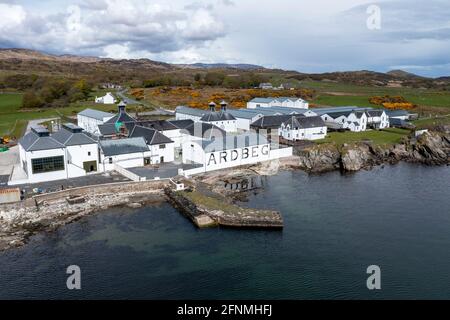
77,155
46,176
303,134
124,160
193,152
183,116
227,125
90,124
168,153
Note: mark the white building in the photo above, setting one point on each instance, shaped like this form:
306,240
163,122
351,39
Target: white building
222,119
68,153
81,150
90,119
125,153
355,121
245,117
230,151
108,98
290,102
266,86
303,128
292,127
162,149
377,119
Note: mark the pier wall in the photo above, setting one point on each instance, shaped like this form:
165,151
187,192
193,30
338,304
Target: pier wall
112,188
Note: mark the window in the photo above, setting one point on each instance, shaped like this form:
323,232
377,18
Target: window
89,153
110,160
162,146
49,164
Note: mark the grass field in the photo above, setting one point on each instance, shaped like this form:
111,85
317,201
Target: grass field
383,137
13,121
432,122
337,94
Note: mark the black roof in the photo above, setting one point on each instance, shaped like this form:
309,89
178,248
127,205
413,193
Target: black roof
73,137
33,142
269,122
107,129
151,136
295,121
123,146
160,125
375,113
204,130
182,124
217,116
121,117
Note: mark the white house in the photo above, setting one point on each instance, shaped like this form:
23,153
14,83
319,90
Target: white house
266,86
68,153
126,153
108,98
292,127
303,128
290,102
377,119
90,119
162,149
355,121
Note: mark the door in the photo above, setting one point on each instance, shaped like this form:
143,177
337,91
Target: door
146,161
161,160
90,166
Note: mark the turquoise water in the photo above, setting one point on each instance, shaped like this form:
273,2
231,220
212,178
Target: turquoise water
397,217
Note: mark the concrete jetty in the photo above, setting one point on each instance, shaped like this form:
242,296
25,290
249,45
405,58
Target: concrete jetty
211,210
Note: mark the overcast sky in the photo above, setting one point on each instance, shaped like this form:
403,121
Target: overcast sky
302,35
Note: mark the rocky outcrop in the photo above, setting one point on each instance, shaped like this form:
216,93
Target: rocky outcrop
431,148
320,158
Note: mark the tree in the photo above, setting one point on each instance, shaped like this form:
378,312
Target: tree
31,100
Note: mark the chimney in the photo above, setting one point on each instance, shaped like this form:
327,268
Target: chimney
212,107
223,106
121,106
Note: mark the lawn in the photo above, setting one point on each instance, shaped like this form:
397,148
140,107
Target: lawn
338,94
431,122
13,121
383,137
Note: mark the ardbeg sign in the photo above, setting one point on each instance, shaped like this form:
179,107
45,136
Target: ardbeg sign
241,155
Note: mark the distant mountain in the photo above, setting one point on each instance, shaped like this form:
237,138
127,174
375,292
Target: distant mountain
402,74
97,69
26,54
240,66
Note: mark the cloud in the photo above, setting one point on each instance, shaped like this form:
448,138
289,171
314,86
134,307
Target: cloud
309,36
101,27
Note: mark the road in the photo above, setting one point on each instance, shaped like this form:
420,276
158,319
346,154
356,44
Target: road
157,112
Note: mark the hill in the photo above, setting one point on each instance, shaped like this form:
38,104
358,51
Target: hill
135,71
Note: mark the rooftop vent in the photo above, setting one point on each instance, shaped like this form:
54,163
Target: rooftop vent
72,128
121,106
41,131
223,106
212,107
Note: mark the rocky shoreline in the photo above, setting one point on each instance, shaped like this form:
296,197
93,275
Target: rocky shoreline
431,148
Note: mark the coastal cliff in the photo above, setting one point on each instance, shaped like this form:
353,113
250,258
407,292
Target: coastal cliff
431,148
